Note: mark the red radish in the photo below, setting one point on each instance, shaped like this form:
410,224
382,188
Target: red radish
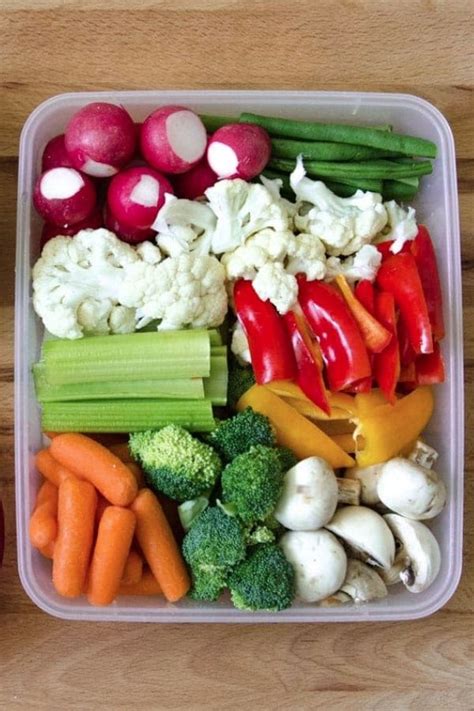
64,197
173,139
136,194
239,150
92,222
132,235
196,181
55,154
100,139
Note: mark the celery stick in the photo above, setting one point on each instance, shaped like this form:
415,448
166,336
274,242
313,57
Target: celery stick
145,356
215,337
218,351
215,387
190,389
126,415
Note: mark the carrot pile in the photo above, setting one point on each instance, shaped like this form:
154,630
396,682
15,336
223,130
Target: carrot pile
105,533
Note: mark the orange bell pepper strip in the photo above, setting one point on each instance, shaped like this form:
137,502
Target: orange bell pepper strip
388,429
293,430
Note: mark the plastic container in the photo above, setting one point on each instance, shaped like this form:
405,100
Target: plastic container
437,206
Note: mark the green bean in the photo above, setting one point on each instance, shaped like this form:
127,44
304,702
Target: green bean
324,150
342,133
212,123
397,190
385,170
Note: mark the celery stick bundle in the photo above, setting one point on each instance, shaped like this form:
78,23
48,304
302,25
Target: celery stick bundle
132,382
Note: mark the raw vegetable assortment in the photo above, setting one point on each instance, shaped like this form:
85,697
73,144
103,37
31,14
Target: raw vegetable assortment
247,307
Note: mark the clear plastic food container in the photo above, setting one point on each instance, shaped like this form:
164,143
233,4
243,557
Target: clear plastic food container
437,206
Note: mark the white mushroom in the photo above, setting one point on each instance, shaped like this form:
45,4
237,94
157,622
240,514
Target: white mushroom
362,583
423,454
421,549
319,562
410,489
309,496
368,477
365,532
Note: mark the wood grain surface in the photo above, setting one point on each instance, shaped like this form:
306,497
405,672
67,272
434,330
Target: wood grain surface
52,46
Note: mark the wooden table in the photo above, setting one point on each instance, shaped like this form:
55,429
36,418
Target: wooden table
52,46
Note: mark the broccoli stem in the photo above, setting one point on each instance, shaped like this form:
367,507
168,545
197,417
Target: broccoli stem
342,133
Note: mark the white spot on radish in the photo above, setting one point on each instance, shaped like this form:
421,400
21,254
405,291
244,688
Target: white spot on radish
146,192
98,170
222,159
186,135
61,184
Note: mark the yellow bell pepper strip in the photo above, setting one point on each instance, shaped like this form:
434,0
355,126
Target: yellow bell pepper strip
376,337
292,392
285,388
336,427
346,442
367,402
292,429
308,409
390,428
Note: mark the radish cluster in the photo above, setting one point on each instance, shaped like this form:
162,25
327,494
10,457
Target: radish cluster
107,170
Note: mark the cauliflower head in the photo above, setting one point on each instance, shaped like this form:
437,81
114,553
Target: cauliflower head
307,255
76,284
188,290
344,225
274,284
260,248
184,226
241,210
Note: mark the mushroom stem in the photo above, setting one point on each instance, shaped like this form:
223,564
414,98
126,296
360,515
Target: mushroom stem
339,598
423,454
392,576
348,491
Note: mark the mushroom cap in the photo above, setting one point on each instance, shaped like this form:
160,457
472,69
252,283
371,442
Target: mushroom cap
319,562
410,489
421,549
309,497
362,583
368,477
366,533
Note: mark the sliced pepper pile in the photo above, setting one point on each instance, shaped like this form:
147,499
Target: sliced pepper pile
384,334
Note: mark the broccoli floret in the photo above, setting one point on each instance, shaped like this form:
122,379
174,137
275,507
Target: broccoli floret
175,463
265,580
287,458
212,547
236,435
259,534
239,381
252,482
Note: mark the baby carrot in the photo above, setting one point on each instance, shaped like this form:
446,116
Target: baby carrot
147,585
50,468
43,522
48,550
112,547
133,570
159,546
102,504
92,461
137,473
76,509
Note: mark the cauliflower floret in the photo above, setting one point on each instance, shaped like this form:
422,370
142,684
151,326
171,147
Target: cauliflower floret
274,187
402,225
273,283
239,345
148,252
264,246
188,290
76,284
184,226
344,225
307,255
242,209
363,264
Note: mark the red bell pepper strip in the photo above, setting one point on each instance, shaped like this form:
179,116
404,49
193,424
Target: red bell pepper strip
375,336
365,293
364,385
430,368
385,247
309,377
387,363
425,258
329,318
270,348
398,275
407,354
